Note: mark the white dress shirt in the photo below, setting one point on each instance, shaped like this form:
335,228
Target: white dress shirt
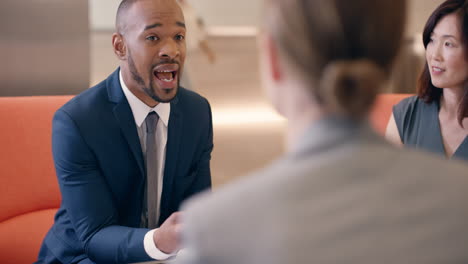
140,110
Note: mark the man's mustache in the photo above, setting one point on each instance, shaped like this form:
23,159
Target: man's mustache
165,62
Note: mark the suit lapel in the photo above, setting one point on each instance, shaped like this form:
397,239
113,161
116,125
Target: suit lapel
172,155
124,116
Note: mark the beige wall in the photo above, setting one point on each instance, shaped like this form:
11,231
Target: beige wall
215,12
45,47
102,14
419,11
241,13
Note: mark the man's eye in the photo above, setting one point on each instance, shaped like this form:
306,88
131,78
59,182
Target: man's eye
180,37
152,38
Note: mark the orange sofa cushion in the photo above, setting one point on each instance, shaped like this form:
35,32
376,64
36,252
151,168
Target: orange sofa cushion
29,193
382,110
22,236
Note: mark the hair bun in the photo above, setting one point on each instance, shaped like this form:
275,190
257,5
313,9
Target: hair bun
350,87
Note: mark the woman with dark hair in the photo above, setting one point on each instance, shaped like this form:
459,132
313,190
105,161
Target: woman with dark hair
436,119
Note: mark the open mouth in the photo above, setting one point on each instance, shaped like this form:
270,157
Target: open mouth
166,75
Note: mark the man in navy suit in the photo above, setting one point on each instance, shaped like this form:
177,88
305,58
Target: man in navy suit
98,143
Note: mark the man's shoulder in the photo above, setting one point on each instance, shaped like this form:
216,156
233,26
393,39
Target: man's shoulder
192,105
190,97
87,100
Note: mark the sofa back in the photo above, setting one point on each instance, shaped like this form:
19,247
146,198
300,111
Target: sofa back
29,193
382,110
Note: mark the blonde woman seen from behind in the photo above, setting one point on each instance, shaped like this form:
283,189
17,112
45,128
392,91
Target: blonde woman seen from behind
341,193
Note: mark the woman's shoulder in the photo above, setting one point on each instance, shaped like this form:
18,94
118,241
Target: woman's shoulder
411,104
409,114
410,101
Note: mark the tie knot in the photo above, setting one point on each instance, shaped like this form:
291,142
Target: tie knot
151,121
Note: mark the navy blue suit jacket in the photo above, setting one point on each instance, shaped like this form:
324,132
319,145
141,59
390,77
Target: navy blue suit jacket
101,173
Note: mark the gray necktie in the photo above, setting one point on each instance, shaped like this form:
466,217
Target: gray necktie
152,170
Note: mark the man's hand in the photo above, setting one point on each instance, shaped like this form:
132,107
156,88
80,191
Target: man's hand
167,236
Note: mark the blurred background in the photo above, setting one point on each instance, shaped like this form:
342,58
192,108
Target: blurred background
56,47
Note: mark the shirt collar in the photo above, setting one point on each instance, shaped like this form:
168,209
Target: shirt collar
140,110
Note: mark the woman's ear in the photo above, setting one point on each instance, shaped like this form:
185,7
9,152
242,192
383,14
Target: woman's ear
120,49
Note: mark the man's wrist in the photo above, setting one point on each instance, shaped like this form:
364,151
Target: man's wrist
152,250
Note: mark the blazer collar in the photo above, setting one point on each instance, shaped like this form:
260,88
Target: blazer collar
124,117
333,131
174,135
114,90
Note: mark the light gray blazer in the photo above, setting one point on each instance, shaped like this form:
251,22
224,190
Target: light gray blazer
342,196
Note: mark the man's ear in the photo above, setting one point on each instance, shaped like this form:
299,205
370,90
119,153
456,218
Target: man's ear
273,57
120,49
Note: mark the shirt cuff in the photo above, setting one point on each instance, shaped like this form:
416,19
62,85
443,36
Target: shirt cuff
152,250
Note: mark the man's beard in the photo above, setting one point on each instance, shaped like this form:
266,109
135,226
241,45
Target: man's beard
148,90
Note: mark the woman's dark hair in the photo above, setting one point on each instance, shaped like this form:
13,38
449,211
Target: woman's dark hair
426,90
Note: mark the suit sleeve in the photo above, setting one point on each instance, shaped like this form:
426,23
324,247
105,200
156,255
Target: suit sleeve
88,200
202,179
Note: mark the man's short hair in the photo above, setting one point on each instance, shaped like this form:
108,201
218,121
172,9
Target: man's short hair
120,24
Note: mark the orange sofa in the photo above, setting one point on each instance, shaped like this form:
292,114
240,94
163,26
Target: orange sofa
382,110
29,194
